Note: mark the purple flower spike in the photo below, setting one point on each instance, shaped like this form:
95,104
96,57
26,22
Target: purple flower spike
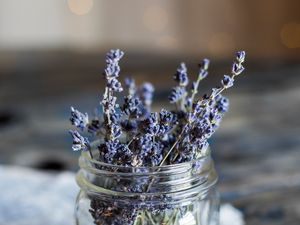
79,142
177,93
205,64
130,84
222,104
227,81
146,94
166,117
240,56
237,69
203,69
112,68
79,119
132,107
132,135
181,75
115,85
113,56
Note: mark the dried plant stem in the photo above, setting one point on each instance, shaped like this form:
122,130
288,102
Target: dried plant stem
195,90
173,217
211,97
91,154
166,156
150,218
173,146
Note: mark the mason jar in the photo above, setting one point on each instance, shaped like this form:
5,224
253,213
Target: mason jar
179,194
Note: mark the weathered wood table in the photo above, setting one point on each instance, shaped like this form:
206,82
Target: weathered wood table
257,149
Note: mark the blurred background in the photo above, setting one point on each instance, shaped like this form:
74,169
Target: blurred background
52,56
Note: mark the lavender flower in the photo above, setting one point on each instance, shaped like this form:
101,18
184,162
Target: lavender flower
114,85
112,59
203,69
181,75
149,150
114,152
132,107
79,142
79,119
222,103
240,56
146,93
176,95
150,124
166,117
237,69
227,81
113,129
134,137
130,85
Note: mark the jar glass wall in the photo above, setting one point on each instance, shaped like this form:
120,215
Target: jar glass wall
180,194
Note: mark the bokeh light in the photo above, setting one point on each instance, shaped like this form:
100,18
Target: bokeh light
80,7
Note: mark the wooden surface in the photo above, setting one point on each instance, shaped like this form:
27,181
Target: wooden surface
256,150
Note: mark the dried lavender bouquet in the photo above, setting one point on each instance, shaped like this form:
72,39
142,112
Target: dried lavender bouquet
129,134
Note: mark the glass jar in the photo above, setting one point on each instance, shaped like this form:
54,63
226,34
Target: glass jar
180,194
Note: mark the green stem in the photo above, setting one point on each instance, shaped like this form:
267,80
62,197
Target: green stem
195,91
175,213
150,218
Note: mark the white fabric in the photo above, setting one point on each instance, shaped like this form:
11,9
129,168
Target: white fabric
29,197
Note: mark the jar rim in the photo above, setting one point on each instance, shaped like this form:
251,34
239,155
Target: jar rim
183,179
87,157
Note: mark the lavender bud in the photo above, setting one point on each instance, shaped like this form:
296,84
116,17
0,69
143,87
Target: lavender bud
108,150
197,108
150,125
177,93
188,103
203,69
132,107
146,93
227,81
222,104
215,117
205,64
181,75
112,71
130,85
115,85
237,69
79,142
114,56
115,118
115,131
79,119
166,117
203,74
240,56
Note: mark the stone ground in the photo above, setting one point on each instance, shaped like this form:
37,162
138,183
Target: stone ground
256,150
